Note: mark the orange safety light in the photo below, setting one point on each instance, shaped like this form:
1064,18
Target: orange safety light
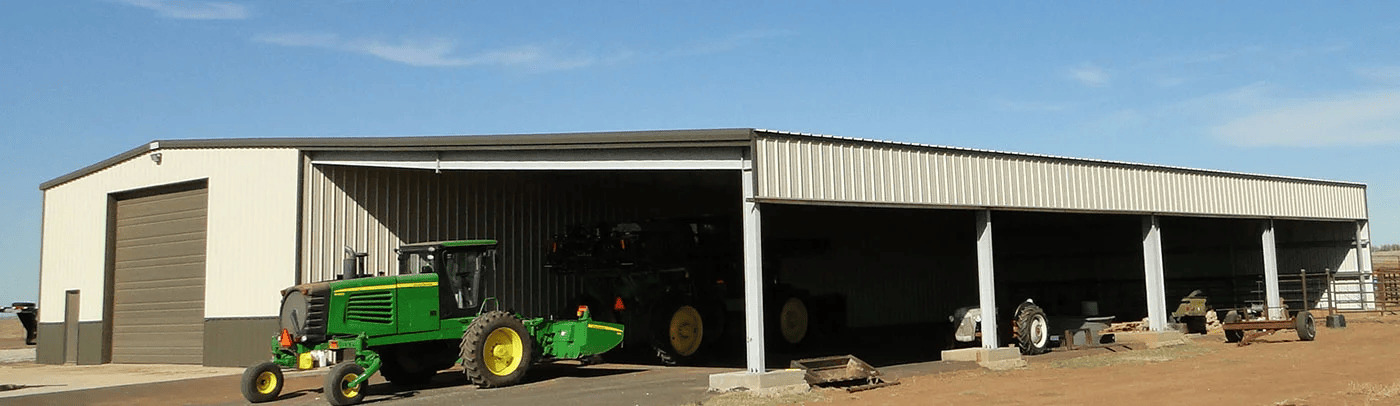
581,310
286,339
553,247
623,243
617,304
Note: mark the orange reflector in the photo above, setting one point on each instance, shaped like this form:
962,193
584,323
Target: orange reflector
554,247
335,345
623,243
286,339
581,309
617,305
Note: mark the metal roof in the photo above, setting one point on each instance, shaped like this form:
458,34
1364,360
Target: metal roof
617,139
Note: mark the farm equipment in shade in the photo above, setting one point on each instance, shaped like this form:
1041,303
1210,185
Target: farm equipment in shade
1029,327
410,326
28,315
669,280
1192,312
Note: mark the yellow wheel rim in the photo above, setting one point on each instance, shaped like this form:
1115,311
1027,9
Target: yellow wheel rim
267,381
345,389
792,320
503,351
687,328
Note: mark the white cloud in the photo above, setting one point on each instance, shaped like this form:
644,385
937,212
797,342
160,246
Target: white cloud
436,52
207,10
729,44
1030,106
1089,75
1349,119
1383,74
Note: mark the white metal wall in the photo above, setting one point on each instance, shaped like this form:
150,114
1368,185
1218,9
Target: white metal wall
251,233
846,171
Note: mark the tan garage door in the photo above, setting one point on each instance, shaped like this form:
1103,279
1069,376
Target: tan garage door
158,283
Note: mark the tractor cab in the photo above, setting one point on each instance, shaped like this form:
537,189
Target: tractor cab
461,267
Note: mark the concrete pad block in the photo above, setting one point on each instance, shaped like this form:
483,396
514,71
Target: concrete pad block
1151,339
999,354
961,354
775,380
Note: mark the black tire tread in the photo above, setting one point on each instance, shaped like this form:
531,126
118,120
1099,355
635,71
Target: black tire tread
474,338
249,382
332,384
1025,314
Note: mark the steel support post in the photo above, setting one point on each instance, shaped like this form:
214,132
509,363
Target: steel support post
753,273
1364,276
1271,294
986,284
1152,268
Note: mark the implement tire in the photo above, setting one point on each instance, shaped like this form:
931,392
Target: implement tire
1031,330
262,382
496,350
1233,336
1307,331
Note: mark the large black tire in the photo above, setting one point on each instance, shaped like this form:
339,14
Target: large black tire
1307,331
1232,336
678,333
262,382
794,320
401,367
1031,330
496,350
337,393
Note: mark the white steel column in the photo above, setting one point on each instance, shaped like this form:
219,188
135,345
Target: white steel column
1155,281
986,284
753,274
1271,295
1363,265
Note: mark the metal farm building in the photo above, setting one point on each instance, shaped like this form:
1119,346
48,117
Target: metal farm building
174,252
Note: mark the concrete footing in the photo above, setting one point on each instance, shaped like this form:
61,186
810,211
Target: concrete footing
1151,339
776,380
998,358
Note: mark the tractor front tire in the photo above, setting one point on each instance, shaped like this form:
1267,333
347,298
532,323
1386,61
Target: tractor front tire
496,350
262,382
680,332
338,391
1233,336
1032,330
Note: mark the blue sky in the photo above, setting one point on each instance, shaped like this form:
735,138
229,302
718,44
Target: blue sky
1311,90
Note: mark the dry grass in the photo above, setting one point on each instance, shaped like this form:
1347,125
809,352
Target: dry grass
1134,357
1374,391
768,399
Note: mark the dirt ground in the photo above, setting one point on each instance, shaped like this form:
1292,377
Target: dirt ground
11,334
1358,365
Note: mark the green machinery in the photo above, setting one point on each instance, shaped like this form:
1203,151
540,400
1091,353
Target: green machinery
407,327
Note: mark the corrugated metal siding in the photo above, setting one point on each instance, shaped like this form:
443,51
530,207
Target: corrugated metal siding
375,210
832,170
252,227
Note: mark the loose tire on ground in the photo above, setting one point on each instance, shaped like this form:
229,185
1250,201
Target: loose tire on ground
496,350
1307,331
680,332
1232,336
262,382
1032,330
1195,324
337,392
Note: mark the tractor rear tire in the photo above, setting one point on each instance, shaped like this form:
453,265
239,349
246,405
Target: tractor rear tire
679,333
1307,331
1032,330
794,320
262,382
1232,336
496,350
337,393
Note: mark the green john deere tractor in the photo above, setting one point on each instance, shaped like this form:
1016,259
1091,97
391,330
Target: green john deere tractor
407,327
